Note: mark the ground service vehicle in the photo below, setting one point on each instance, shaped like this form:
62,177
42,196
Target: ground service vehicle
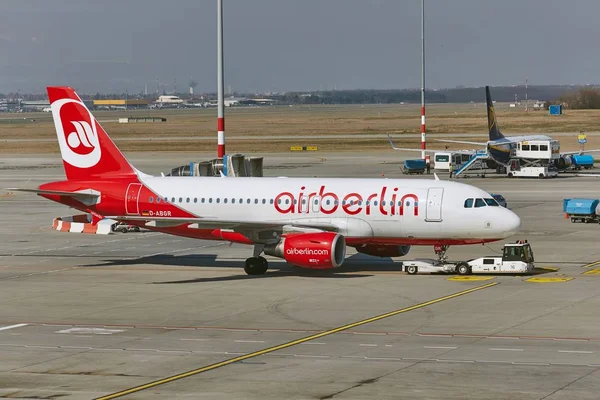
414,167
583,210
516,258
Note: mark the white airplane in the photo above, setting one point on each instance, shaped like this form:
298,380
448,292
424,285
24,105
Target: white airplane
309,222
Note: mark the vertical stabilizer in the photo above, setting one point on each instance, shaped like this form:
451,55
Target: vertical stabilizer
87,151
494,131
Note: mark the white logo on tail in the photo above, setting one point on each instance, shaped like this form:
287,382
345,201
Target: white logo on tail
80,147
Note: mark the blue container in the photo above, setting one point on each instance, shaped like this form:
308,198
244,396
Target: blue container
583,160
555,109
414,164
582,206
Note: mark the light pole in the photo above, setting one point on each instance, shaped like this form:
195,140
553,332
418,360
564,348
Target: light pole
220,105
423,130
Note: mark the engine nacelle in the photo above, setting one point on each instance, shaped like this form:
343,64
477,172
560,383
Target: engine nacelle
564,162
321,250
383,250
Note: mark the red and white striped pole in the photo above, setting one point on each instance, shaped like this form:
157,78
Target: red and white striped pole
220,101
423,130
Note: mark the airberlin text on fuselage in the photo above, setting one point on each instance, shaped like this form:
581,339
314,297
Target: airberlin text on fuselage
351,203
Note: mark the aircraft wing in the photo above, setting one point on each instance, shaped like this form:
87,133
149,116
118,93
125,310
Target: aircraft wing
214,223
579,152
426,150
87,196
461,141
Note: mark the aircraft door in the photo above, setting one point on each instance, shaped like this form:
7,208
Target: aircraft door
433,212
132,199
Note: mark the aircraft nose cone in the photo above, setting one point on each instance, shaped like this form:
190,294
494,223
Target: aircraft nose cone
511,223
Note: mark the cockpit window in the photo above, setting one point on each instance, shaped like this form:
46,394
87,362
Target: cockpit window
492,202
468,203
479,203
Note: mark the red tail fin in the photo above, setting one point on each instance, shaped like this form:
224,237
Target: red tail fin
87,151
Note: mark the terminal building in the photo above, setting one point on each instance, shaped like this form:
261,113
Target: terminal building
121,104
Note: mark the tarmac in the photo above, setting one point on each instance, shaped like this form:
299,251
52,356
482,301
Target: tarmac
148,316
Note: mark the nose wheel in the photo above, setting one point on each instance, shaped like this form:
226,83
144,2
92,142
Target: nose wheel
440,251
256,266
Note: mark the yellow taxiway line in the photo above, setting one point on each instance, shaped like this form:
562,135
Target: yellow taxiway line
289,344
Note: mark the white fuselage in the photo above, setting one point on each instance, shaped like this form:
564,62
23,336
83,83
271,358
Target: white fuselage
411,209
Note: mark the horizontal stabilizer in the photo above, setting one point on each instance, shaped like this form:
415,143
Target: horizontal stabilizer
87,196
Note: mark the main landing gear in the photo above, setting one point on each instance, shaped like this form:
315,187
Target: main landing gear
256,265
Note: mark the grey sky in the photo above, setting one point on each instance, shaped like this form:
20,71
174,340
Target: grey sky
282,45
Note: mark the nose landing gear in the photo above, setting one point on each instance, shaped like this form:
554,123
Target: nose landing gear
440,251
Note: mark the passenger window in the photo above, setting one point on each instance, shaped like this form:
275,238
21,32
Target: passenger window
479,203
202,200
158,199
375,203
166,199
225,200
487,261
172,199
264,201
543,147
468,203
534,147
181,199
151,199
218,200
210,200
241,200
195,199
248,201
187,200
525,147
271,201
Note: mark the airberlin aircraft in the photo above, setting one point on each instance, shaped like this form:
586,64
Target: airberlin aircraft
309,222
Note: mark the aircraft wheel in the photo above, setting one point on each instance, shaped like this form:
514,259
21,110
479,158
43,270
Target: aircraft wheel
256,266
510,174
463,269
412,270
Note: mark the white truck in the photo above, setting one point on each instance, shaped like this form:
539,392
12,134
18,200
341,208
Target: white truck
516,258
516,170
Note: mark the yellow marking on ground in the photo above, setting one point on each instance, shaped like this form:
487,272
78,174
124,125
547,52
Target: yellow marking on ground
290,344
595,271
470,278
592,264
542,279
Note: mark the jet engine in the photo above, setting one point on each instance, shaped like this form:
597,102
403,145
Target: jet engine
564,162
321,250
383,250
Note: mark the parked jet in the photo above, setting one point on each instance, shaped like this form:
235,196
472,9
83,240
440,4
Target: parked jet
309,222
500,148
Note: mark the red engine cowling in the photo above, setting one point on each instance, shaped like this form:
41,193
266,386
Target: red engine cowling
383,250
321,250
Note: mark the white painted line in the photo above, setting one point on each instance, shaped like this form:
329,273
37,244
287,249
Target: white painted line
310,356
200,340
5,328
498,349
368,345
383,358
455,361
249,341
314,343
441,347
370,333
576,351
388,345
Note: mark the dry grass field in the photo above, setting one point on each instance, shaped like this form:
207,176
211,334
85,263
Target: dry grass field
313,121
